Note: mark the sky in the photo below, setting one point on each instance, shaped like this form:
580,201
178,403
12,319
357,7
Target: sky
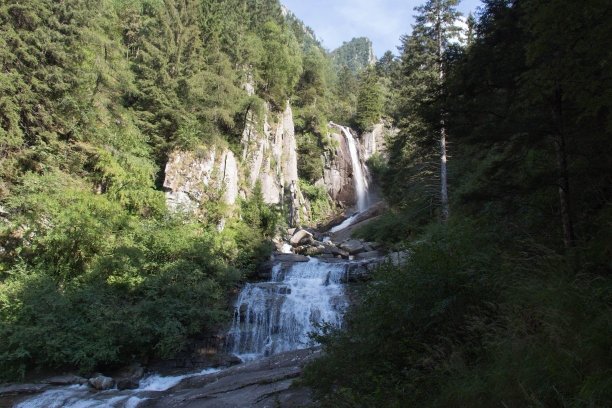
382,21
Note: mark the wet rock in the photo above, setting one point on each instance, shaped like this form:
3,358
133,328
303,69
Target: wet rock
290,258
266,382
69,379
21,389
369,254
128,383
101,382
334,250
352,246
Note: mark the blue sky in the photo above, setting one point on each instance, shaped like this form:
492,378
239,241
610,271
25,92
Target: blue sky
382,21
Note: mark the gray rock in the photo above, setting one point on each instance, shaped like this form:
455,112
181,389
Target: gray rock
20,389
262,383
369,254
65,380
352,246
290,258
127,383
101,382
301,237
334,250
291,231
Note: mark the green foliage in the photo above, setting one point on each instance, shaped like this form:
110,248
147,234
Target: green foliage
310,162
86,284
411,324
258,214
320,204
368,101
280,63
471,318
94,271
495,308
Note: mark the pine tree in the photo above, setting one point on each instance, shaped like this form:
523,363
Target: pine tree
368,100
423,58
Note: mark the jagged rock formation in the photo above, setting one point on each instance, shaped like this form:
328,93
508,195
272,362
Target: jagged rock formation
269,156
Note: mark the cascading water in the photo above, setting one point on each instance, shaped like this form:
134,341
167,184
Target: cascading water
359,179
278,315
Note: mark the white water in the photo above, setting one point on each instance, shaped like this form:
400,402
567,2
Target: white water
278,315
360,181
344,224
82,396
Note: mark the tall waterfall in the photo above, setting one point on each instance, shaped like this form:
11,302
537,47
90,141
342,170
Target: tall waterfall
359,179
276,316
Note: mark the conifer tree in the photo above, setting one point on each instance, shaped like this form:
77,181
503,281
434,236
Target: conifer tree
368,101
423,58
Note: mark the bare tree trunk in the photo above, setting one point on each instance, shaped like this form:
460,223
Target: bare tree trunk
443,158
563,178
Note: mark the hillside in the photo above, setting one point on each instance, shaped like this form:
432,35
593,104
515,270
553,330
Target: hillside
356,54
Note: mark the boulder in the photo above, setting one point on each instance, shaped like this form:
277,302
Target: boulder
290,258
301,237
334,250
352,246
128,383
369,254
101,382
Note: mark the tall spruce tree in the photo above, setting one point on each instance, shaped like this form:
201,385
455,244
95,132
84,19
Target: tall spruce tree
423,57
368,100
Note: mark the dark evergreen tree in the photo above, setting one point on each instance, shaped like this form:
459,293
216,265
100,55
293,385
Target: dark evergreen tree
368,101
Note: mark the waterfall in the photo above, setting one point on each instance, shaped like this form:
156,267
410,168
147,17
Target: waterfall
359,179
276,316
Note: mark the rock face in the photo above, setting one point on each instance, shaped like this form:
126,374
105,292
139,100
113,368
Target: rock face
338,171
229,178
268,156
375,140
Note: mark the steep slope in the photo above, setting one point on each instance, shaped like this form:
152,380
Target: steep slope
356,54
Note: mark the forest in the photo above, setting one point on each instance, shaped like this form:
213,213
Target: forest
499,186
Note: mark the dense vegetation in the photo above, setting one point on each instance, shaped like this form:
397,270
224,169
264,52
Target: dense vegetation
504,301
95,271
356,54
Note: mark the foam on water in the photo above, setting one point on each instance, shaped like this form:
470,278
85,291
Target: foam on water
278,315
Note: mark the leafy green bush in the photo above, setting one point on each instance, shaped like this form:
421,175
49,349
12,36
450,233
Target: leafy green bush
318,198
472,319
412,325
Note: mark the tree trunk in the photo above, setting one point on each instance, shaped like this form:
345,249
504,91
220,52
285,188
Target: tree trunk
563,178
443,179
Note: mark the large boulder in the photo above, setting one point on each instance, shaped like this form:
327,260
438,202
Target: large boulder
101,382
352,246
301,237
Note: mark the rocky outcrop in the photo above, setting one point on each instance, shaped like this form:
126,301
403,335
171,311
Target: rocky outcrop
229,177
338,171
266,382
187,176
101,382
